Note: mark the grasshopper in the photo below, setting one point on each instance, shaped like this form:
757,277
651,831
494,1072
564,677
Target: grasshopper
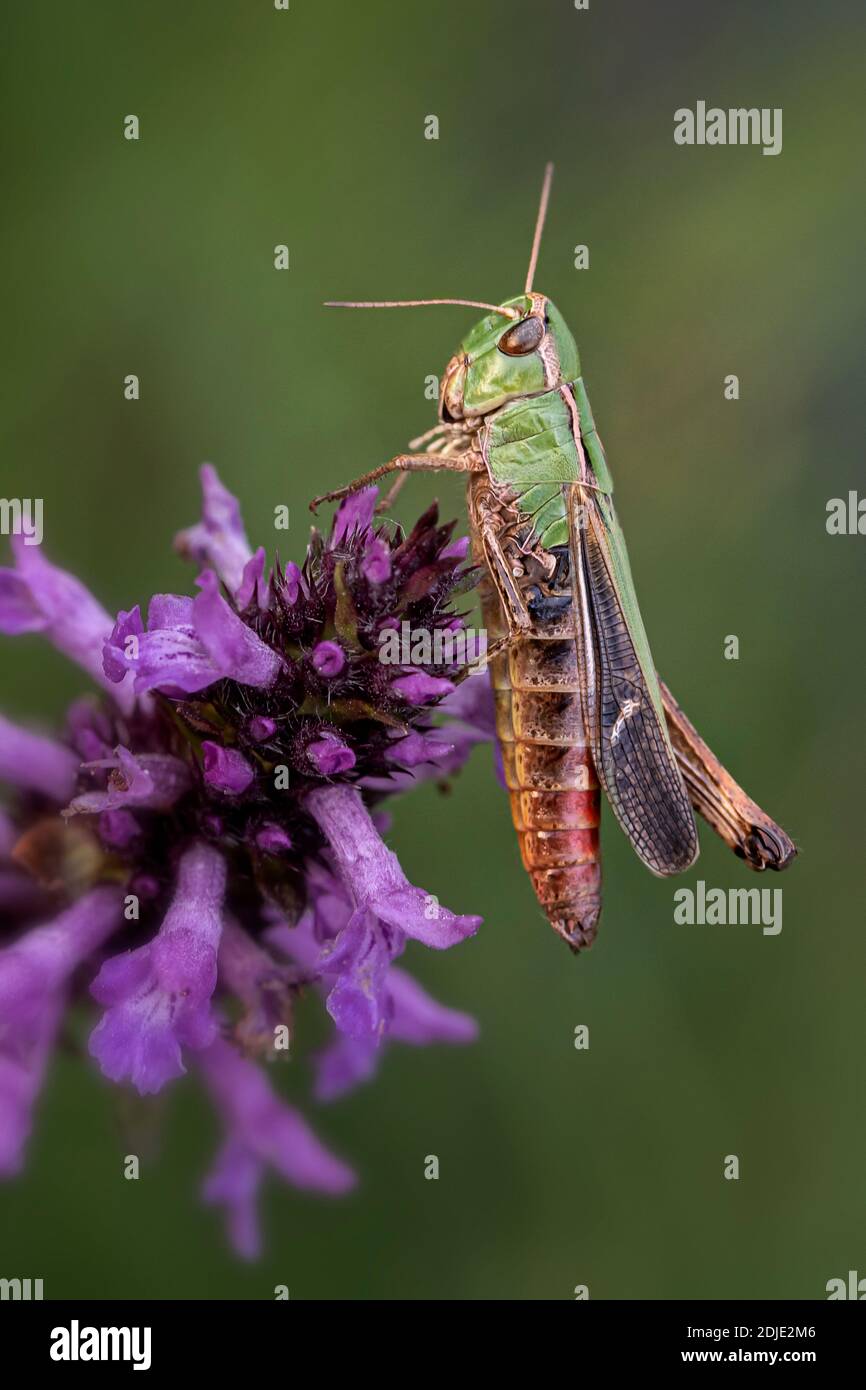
579,706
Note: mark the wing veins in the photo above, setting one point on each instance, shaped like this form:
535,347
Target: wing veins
637,768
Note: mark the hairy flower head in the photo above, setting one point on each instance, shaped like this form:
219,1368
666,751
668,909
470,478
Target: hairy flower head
200,843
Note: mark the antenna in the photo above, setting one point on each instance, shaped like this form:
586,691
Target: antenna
414,303
539,226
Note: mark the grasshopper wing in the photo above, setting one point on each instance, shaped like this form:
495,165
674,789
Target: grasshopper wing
623,708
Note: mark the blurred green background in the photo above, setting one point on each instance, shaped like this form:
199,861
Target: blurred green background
260,127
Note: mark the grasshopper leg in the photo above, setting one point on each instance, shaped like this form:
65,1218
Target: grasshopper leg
390,497
511,598
744,827
490,653
404,463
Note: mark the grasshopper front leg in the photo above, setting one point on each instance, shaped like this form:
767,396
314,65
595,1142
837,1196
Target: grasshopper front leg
405,463
500,572
738,820
386,503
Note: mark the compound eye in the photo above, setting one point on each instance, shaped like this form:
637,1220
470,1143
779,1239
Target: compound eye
522,338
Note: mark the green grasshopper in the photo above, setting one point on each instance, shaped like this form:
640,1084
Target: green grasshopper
578,703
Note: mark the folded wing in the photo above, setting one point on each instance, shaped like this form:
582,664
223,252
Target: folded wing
622,703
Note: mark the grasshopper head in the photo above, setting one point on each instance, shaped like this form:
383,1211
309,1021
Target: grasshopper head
506,356
520,348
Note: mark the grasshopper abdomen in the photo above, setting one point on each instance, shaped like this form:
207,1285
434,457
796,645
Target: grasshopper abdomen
549,772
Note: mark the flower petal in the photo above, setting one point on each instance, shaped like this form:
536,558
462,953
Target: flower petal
419,688
36,763
275,1132
233,1182
455,550
154,780
253,583
472,703
123,639
419,1019
330,755
225,769
376,564
170,610
38,597
421,916
354,513
252,975
328,659
372,874
8,834
261,1130
358,1002
158,996
19,611
344,1064
232,646
33,975
173,658
293,584
219,539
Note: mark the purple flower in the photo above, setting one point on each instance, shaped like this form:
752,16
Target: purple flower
255,583
355,514
472,711
260,728
8,834
419,687
376,564
408,1013
273,839
224,791
234,647
189,644
151,779
328,659
225,769
360,962
417,756
387,910
457,550
35,763
219,539
264,988
329,755
414,1018
118,829
158,996
20,896
123,642
293,585
372,873
261,1132
36,596
89,729
34,972
472,704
